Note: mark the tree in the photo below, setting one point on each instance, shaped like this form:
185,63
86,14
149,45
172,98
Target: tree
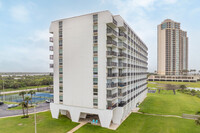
197,121
27,99
22,103
22,93
171,87
32,93
183,87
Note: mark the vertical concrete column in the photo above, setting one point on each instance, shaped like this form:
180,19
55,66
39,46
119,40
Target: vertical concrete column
54,110
75,115
105,118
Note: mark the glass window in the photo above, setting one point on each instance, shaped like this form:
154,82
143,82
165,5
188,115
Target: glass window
95,69
95,48
95,59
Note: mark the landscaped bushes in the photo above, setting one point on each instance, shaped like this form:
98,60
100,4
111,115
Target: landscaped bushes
191,92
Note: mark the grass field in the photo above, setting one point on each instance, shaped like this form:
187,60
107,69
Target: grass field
168,103
139,123
188,84
45,124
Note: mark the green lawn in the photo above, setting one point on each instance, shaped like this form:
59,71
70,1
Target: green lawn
45,124
168,103
188,84
24,88
139,123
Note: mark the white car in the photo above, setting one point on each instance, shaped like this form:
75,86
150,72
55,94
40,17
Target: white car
12,105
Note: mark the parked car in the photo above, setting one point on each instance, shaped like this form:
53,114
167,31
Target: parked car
1,103
12,105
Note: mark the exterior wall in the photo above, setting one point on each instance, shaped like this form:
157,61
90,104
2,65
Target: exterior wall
77,68
161,51
172,49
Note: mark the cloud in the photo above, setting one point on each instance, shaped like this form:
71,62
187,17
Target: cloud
40,35
20,13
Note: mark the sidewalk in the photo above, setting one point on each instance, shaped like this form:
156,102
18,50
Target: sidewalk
77,127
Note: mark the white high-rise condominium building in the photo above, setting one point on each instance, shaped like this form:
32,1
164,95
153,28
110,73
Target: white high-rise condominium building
100,68
172,49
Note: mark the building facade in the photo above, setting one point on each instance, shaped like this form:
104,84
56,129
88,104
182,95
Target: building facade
172,49
100,68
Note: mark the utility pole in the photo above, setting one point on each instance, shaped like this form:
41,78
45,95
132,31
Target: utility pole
3,90
35,119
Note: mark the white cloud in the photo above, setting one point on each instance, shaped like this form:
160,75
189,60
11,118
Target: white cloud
20,13
40,35
170,1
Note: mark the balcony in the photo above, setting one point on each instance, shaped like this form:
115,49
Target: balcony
111,85
122,54
111,64
112,75
113,23
122,94
122,35
112,106
121,84
111,53
121,104
120,64
51,65
50,39
112,43
112,33
122,74
111,96
122,45
51,57
123,26
50,48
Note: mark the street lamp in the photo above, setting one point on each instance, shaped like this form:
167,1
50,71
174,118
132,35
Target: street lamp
35,117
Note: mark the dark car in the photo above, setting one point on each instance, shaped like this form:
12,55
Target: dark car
1,103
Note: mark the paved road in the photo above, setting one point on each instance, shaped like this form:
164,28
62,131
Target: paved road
4,112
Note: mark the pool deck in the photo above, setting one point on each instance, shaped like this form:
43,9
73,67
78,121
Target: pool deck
7,113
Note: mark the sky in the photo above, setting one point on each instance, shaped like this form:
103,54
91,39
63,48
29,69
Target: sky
24,27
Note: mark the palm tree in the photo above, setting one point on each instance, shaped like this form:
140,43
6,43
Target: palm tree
183,87
32,93
22,93
27,99
23,105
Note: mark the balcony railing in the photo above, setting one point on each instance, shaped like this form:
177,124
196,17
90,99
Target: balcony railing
121,54
121,104
112,95
122,34
50,48
121,84
111,53
51,65
111,85
114,21
50,39
51,57
112,106
112,42
112,75
110,30
122,45
122,74
111,64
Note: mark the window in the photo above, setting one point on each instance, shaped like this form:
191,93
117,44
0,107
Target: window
95,18
60,42
95,81
95,28
95,60
95,48
95,102
95,91
95,39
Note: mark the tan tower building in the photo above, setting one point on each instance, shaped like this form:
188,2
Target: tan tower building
172,48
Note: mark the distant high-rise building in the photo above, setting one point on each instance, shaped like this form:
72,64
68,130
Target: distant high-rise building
100,68
172,49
